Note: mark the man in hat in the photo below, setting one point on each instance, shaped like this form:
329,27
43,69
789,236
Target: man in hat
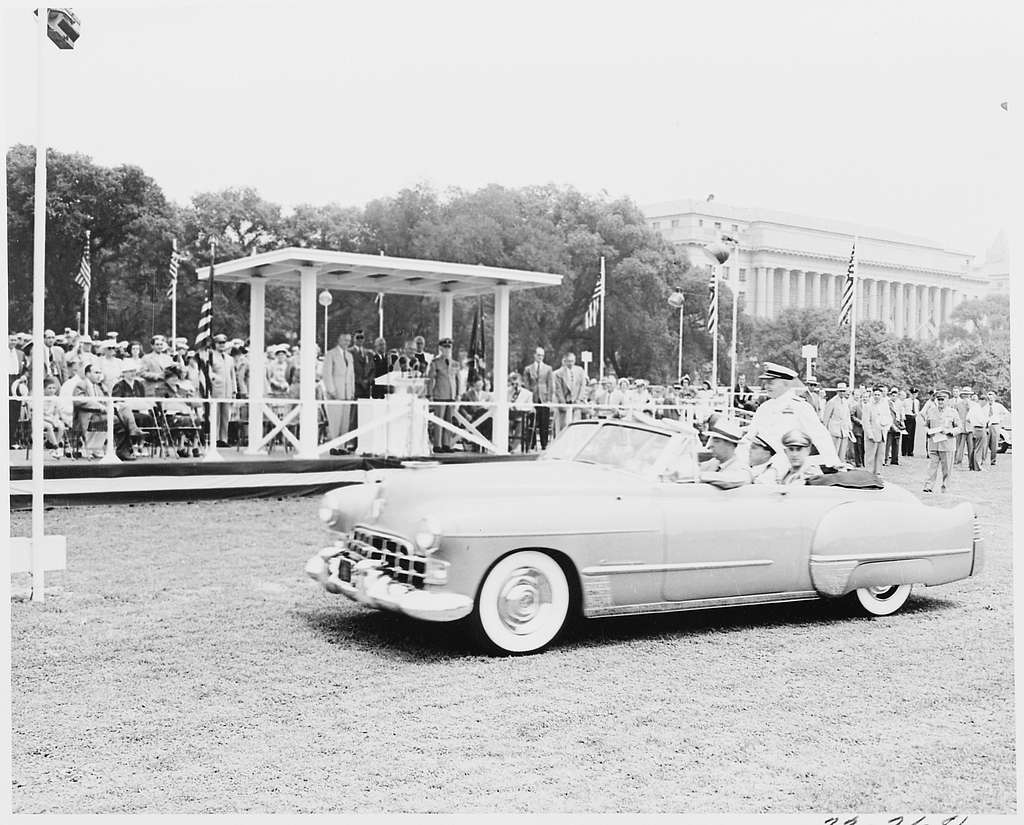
836,418
942,424
85,355
443,385
223,385
362,363
894,435
339,385
876,417
998,416
784,411
797,445
761,468
961,403
911,410
724,469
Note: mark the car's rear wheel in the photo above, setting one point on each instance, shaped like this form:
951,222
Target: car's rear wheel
883,600
522,603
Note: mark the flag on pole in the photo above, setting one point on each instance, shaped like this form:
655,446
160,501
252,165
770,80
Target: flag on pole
846,306
713,304
203,334
596,299
84,276
172,285
477,353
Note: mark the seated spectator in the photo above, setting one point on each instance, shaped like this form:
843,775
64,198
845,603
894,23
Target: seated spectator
54,431
474,406
90,410
179,406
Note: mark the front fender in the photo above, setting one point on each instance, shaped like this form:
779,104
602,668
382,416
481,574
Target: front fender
867,544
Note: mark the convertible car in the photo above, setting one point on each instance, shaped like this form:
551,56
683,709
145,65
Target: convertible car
611,520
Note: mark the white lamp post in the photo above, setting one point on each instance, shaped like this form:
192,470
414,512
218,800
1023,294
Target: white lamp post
325,299
676,301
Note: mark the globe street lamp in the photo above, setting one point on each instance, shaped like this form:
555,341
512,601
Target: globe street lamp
676,300
719,253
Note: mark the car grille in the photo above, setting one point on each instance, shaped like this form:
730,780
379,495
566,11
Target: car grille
397,556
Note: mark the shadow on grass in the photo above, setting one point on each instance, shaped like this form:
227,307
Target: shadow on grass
393,635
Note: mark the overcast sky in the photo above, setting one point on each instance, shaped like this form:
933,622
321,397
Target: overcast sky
885,114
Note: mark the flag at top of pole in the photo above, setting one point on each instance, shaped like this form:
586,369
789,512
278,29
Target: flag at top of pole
203,334
84,276
596,302
713,303
849,288
172,270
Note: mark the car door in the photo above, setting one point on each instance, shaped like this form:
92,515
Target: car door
744,542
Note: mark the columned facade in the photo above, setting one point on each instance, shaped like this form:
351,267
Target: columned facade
909,284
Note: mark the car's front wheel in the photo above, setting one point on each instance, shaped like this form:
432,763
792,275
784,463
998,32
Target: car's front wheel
522,603
881,601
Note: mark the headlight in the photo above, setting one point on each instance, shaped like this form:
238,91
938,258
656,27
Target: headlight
428,535
325,513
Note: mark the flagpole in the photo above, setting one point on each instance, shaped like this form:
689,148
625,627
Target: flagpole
174,296
87,286
714,334
380,314
601,353
853,315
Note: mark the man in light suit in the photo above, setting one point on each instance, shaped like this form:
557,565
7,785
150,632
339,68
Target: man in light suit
539,379
53,357
876,418
443,385
223,384
836,418
340,385
570,381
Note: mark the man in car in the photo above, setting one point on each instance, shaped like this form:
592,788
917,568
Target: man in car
797,445
784,411
724,469
761,453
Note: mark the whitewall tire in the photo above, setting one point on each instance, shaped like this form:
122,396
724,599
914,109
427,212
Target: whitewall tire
522,604
881,601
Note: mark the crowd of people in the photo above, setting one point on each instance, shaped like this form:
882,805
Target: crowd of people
157,387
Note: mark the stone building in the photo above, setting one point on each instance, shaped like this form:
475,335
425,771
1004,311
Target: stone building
784,260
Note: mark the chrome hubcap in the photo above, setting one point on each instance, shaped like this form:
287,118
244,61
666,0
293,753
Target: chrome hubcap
883,591
522,598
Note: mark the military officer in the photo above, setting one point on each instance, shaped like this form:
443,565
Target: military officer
797,445
223,384
443,385
942,424
724,469
783,412
761,468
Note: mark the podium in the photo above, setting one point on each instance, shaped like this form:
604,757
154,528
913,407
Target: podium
405,436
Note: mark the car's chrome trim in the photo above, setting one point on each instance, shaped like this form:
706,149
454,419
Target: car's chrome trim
544,533
895,556
608,569
702,604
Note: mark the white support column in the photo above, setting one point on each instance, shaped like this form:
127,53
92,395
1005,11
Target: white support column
257,360
444,316
500,376
913,321
887,305
786,301
307,364
947,304
815,284
871,312
769,293
760,309
830,280
801,289
936,308
901,311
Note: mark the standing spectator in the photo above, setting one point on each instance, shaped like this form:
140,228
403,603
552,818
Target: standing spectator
154,363
941,425
110,364
422,357
569,381
961,405
223,385
857,403
976,427
911,410
744,395
814,397
339,385
85,354
876,420
997,416
278,370
836,418
362,364
894,435
443,385
15,366
53,357
539,379
381,366
687,391
926,408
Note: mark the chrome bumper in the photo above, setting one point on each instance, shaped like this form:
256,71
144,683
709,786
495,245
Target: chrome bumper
373,588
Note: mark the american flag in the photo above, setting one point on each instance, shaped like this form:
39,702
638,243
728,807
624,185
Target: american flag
713,304
172,285
846,307
596,299
203,338
84,276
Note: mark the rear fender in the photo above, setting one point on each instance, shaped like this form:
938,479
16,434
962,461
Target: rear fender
868,544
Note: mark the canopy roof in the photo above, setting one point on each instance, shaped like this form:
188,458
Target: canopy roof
376,273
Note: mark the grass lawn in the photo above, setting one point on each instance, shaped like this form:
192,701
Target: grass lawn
184,663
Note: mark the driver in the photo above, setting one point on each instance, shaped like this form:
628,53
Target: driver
725,469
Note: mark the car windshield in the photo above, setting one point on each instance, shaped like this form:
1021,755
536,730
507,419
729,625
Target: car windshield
634,449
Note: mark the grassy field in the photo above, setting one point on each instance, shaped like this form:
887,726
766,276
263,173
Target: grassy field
184,663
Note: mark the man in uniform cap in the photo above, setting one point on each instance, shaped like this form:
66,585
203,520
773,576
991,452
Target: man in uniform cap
443,385
761,453
784,411
961,403
725,469
223,384
942,426
797,445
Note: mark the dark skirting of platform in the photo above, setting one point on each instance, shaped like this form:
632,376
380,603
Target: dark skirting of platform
89,482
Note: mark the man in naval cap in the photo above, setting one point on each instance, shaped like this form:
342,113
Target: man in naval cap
724,469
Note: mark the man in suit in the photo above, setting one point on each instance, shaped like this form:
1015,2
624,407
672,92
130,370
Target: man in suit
339,385
223,384
876,419
836,418
154,362
381,366
362,364
15,365
443,385
539,379
53,357
941,426
961,405
894,436
911,410
569,381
